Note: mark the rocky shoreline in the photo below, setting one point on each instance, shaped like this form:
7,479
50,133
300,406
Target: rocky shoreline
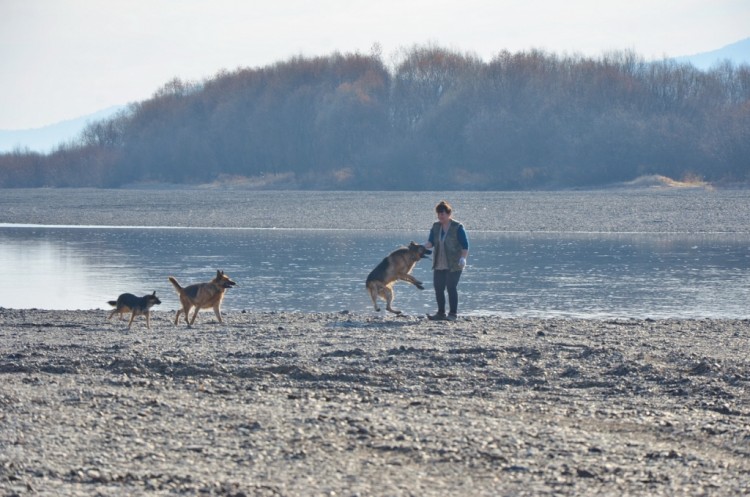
347,404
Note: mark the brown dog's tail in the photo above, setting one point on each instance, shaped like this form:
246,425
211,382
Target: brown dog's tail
113,303
176,285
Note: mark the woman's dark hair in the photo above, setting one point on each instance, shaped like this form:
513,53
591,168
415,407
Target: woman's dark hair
443,206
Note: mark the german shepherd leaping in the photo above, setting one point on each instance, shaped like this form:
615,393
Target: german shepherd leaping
202,296
396,266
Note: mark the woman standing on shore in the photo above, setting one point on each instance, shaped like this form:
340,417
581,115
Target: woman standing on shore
450,246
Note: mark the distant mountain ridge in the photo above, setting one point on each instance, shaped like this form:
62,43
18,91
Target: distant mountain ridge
737,53
47,138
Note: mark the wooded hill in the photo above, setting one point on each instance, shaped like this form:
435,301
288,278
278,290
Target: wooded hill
434,119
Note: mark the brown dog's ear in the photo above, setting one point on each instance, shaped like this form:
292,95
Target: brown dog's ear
154,294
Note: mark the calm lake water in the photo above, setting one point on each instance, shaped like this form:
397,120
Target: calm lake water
597,275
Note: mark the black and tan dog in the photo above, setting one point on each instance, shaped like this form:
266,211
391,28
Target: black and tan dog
136,306
202,296
396,266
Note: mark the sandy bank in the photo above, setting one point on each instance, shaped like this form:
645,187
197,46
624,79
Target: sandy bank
347,404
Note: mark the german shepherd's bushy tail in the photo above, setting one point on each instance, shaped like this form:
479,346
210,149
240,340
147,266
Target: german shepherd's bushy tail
176,284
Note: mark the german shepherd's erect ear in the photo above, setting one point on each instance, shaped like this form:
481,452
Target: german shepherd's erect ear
223,279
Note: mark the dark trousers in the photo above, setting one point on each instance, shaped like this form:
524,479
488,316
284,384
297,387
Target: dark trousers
444,280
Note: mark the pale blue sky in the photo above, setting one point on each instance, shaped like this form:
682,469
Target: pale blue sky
62,59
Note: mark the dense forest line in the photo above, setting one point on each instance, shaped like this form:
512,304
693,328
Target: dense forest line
433,119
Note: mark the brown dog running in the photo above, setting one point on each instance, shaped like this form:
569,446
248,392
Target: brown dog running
202,296
396,266
136,306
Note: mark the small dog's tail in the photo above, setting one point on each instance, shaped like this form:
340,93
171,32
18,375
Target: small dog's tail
113,303
176,285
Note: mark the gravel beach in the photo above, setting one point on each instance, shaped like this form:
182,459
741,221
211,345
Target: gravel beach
345,404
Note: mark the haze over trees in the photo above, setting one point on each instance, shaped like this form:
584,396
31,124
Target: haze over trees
434,119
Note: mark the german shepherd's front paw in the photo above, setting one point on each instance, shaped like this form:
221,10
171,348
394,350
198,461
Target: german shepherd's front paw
419,285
